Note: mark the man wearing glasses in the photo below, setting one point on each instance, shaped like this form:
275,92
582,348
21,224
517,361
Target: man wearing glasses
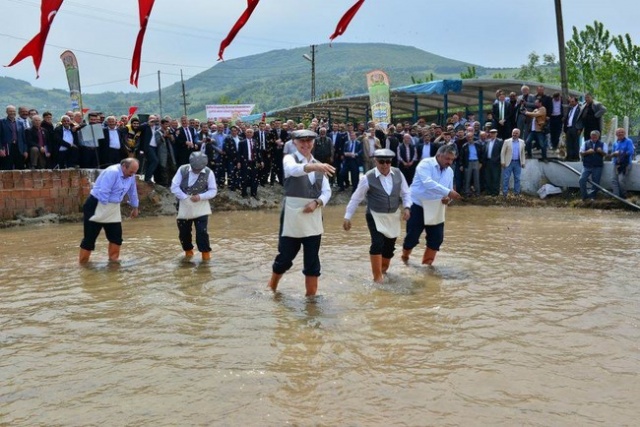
384,187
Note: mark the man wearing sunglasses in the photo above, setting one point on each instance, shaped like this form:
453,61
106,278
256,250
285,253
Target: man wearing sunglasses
384,187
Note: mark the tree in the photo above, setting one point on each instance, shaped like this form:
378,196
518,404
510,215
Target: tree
470,73
584,56
499,76
606,66
427,78
545,71
336,93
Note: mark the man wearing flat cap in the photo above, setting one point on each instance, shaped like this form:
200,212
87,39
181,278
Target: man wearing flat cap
194,184
306,190
384,187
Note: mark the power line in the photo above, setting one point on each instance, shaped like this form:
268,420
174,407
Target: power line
111,56
169,27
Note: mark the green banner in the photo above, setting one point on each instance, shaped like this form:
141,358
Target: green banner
379,91
73,78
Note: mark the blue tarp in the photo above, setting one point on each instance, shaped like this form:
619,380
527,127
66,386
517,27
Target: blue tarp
252,117
440,87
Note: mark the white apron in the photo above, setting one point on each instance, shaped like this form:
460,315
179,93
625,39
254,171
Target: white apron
433,211
387,223
190,210
298,224
106,214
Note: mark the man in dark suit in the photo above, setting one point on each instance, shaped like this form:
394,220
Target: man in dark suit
263,139
38,144
249,163
231,150
279,137
352,155
112,146
149,147
338,138
67,142
391,142
425,148
502,112
186,142
572,129
591,115
471,157
13,150
492,167
407,158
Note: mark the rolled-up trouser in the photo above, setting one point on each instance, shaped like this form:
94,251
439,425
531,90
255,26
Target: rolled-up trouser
288,248
113,230
202,235
415,227
380,244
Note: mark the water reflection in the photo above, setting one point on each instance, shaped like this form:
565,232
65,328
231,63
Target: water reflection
529,317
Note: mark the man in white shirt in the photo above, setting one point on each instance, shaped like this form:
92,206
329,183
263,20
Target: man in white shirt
384,187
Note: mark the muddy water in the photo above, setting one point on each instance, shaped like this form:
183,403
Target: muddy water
530,317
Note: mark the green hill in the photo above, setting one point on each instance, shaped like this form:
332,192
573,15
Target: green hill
271,80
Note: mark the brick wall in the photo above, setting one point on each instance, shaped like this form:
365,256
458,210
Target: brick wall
33,193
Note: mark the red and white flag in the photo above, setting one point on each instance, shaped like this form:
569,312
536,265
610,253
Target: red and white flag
35,47
251,5
145,7
346,19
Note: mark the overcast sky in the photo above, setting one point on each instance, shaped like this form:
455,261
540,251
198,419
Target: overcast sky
186,34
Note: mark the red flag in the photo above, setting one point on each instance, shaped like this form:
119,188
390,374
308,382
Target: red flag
132,110
346,19
35,48
145,7
251,5
85,111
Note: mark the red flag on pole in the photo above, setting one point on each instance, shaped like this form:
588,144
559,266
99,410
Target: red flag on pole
132,110
145,7
85,111
251,5
35,47
346,19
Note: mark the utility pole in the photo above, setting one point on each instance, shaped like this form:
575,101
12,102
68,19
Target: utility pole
184,95
312,59
160,93
564,81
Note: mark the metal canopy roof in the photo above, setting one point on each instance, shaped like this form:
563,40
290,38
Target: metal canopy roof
427,97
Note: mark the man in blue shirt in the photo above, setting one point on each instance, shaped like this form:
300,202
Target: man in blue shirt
431,190
623,153
592,152
102,208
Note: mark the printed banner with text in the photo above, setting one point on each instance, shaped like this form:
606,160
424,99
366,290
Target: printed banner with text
378,84
73,77
222,111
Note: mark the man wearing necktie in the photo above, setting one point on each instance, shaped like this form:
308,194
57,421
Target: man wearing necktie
13,150
573,128
501,115
352,154
263,142
249,163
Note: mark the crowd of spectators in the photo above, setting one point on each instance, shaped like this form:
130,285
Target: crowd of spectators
246,156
